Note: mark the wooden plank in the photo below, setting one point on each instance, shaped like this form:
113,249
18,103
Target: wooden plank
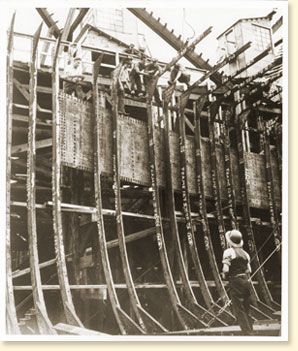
125,323
67,302
43,12
83,12
62,328
46,46
41,144
178,283
11,315
43,322
230,78
39,122
266,330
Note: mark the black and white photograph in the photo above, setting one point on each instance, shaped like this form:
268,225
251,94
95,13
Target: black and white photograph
145,171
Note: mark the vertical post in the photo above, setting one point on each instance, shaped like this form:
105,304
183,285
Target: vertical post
11,315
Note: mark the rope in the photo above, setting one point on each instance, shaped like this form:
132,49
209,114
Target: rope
229,301
277,247
269,236
185,21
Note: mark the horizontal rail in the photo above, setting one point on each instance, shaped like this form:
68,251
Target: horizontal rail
193,284
107,212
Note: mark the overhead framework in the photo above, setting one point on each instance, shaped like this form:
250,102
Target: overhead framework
120,218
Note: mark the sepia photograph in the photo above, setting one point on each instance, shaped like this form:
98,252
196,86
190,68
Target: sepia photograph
145,171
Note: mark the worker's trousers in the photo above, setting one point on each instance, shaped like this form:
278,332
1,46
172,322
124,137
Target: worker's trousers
240,295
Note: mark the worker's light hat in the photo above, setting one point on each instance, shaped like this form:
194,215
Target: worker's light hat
234,238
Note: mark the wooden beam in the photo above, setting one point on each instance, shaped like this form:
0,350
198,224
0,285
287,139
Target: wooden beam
23,118
194,284
275,111
40,133
21,89
68,24
63,328
132,237
19,273
24,147
25,107
174,41
190,125
78,20
91,210
45,171
277,25
46,46
49,21
110,244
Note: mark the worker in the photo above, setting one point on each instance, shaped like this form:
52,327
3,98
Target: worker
178,73
137,69
152,69
73,74
236,267
131,50
121,72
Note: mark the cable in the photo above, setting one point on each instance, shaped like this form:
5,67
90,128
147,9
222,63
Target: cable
185,21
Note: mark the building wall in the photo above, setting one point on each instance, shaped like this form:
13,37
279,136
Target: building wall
258,32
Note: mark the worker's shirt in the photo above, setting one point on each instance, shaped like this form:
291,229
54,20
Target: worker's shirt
72,73
236,261
152,68
124,74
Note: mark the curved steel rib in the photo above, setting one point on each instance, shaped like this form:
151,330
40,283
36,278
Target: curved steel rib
274,217
186,319
125,323
68,306
43,322
246,209
226,316
232,205
11,314
206,316
202,205
145,320
212,111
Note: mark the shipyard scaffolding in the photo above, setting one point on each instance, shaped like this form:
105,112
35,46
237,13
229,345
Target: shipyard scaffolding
116,222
